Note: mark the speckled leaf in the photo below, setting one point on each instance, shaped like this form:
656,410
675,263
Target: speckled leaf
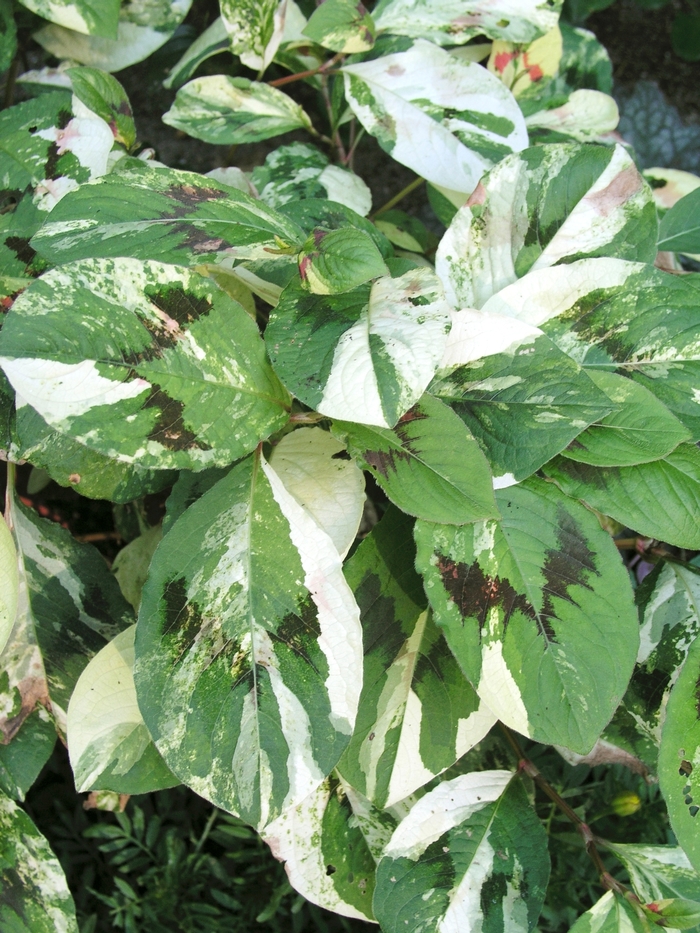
658,872
318,473
619,316
249,647
108,743
160,213
71,606
366,355
658,500
9,584
543,206
331,262
330,844
680,229
447,119
538,611
342,26
105,96
90,17
35,896
679,756
146,363
255,29
300,171
224,110
428,464
417,713
611,914
521,396
52,144
144,25
213,40
470,853
453,22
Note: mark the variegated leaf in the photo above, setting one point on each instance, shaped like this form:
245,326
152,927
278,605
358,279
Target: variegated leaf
106,98
336,261
447,119
527,68
543,206
299,171
22,760
658,872
611,914
35,896
9,584
213,40
669,185
470,855
452,22
249,647
90,17
520,395
428,464
342,26
108,743
255,29
143,27
364,356
188,488
319,474
224,110
679,756
160,213
417,713
538,611
620,316
146,363
587,116
331,844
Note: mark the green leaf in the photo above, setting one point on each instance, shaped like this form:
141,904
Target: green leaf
330,844
169,373
339,260
451,22
675,912
90,17
188,488
254,28
108,743
224,110
35,895
658,872
417,713
387,337
9,584
522,397
405,231
680,229
679,756
314,213
619,316
538,611
428,464
160,213
131,564
319,474
342,26
641,430
471,851
543,206
213,40
8,35
611,914
657,500
447,119
142,28
105,96
22,760
249,647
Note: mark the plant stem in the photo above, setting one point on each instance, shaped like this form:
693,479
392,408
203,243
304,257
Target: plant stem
337,139
213,816
300,75
416,183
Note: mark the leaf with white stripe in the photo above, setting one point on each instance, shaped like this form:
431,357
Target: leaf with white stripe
658,872
366,355
417,713
316,470
35,895
538,611
90,17
611,914
471,854
254,28
331,844
543,206
108,743
146,363
447,119
249,647
620,316
522,398
453,22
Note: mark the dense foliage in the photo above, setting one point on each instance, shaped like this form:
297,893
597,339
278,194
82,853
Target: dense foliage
515,396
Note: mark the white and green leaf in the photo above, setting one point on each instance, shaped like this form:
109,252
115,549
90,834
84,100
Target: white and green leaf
213,40
255,29
658,872
9,584
342,26
90,17
611,914
587,116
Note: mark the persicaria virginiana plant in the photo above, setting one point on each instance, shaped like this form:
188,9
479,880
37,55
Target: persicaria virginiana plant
262,343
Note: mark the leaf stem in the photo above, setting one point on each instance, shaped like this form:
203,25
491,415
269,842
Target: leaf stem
300,75
416,183
213,816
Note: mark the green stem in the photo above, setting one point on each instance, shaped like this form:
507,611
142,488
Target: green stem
213,816
416,183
